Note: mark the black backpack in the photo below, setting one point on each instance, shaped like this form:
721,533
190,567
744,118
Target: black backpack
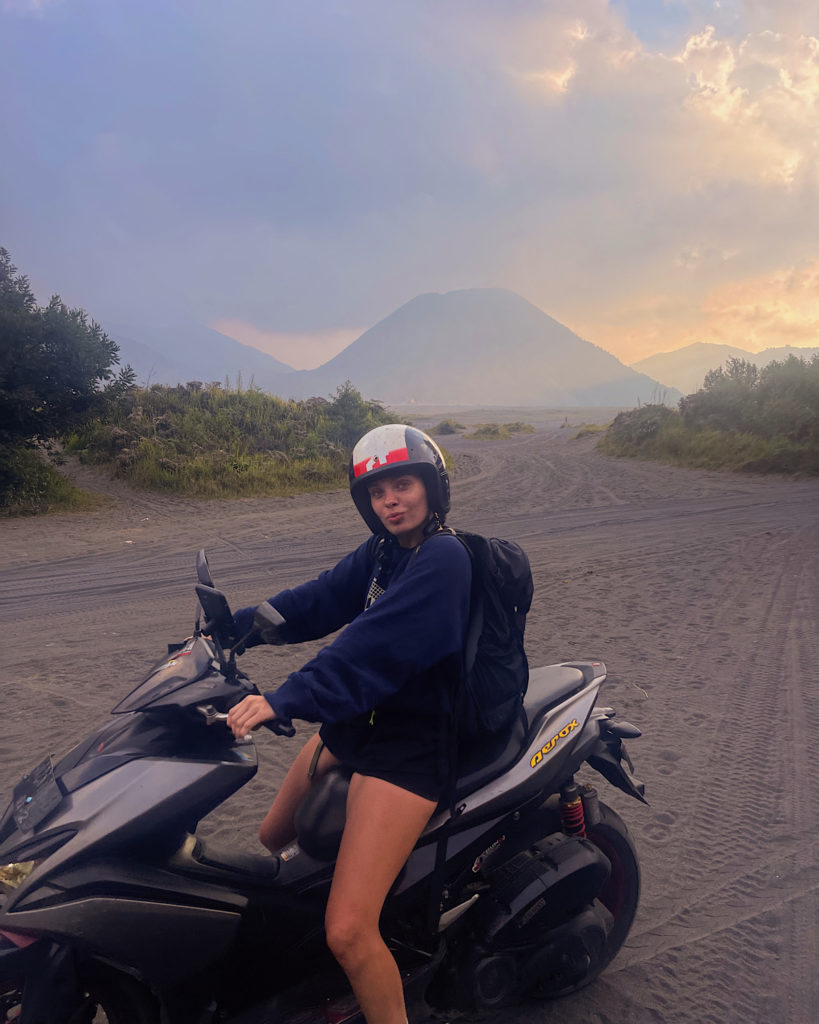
495,667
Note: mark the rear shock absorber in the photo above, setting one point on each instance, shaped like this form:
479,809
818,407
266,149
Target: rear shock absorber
571,810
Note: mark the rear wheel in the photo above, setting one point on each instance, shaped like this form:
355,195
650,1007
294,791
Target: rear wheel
621,893
620,896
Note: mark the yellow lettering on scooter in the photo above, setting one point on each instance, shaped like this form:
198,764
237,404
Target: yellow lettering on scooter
564,732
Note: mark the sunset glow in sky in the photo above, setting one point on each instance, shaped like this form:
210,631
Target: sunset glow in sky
644,171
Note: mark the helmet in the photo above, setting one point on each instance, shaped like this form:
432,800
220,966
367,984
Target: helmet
395,447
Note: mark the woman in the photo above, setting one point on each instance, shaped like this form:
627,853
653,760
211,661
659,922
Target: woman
381,689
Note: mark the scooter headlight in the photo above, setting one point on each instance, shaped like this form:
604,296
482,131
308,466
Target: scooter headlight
12,876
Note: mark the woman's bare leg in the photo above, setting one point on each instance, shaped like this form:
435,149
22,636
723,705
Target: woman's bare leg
383,825
278,828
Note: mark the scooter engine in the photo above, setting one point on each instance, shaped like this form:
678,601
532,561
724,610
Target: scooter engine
537,926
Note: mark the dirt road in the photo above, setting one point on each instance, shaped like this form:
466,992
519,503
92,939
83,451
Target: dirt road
700,591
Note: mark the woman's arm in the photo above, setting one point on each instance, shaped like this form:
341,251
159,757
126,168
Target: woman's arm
322,605
420,620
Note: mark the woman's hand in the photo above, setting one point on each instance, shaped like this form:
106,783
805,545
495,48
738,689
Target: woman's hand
249,714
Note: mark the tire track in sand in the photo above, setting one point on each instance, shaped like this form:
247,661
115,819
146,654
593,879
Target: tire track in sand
738,841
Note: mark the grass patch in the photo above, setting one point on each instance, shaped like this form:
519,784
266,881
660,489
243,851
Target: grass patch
448,427
499,431
588,429
30,485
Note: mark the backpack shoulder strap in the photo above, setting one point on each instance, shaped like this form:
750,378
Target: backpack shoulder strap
475,624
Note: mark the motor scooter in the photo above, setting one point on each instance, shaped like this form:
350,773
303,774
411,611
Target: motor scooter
523,885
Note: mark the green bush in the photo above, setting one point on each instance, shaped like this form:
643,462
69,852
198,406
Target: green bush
743,419
632,431
447,427
206,441
30,485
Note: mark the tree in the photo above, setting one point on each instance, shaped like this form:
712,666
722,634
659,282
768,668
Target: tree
352,416
728,399
55,365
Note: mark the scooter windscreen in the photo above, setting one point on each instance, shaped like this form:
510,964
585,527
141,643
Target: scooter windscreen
184,667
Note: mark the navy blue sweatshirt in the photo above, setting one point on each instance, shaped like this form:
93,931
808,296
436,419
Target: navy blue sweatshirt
394,655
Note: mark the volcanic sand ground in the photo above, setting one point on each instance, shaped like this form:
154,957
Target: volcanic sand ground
699,590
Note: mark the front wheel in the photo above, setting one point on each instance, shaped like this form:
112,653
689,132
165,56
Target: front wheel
108,997
116,998
620,896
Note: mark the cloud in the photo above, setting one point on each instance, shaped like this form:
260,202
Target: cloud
754,313
778,309
302,167
755,104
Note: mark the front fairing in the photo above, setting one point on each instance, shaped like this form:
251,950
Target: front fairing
193,765
186,676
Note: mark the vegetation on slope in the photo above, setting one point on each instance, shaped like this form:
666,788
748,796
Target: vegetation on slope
742,418
203,441
60,393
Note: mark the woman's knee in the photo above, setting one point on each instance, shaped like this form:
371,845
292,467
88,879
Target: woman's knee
348,936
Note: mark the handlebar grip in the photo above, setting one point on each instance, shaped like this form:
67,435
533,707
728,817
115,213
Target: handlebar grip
281,726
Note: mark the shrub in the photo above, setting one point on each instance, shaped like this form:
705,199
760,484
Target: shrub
499,431
208,441
631,431
29,485
741,419
447,427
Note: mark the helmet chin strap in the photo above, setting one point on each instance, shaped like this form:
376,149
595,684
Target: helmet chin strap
432,525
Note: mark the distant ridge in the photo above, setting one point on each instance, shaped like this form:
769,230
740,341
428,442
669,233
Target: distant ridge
178,353
685,368
481,346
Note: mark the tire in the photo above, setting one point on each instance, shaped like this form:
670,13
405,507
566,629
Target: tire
115,998
619,896
621,893
110,998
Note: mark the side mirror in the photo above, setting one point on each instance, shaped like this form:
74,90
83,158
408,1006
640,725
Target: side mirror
203,569
219,621
268,624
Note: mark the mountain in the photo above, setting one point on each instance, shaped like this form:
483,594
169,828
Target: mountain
183,352
685,368
482,346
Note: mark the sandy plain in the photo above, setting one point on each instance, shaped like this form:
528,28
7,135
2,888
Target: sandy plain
699,590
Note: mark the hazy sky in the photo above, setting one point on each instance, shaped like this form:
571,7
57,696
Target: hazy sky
645,171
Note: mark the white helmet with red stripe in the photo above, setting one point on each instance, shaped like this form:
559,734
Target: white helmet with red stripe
395,447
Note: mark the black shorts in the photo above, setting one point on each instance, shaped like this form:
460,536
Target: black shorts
407,750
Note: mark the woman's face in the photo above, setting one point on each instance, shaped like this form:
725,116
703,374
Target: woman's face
400,502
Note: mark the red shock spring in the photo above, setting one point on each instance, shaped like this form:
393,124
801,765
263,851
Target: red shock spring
571,811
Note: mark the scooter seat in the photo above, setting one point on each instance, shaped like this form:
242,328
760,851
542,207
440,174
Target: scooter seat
321,815
548,685
486,760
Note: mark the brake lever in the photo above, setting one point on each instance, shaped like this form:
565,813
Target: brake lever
281,726
211,714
